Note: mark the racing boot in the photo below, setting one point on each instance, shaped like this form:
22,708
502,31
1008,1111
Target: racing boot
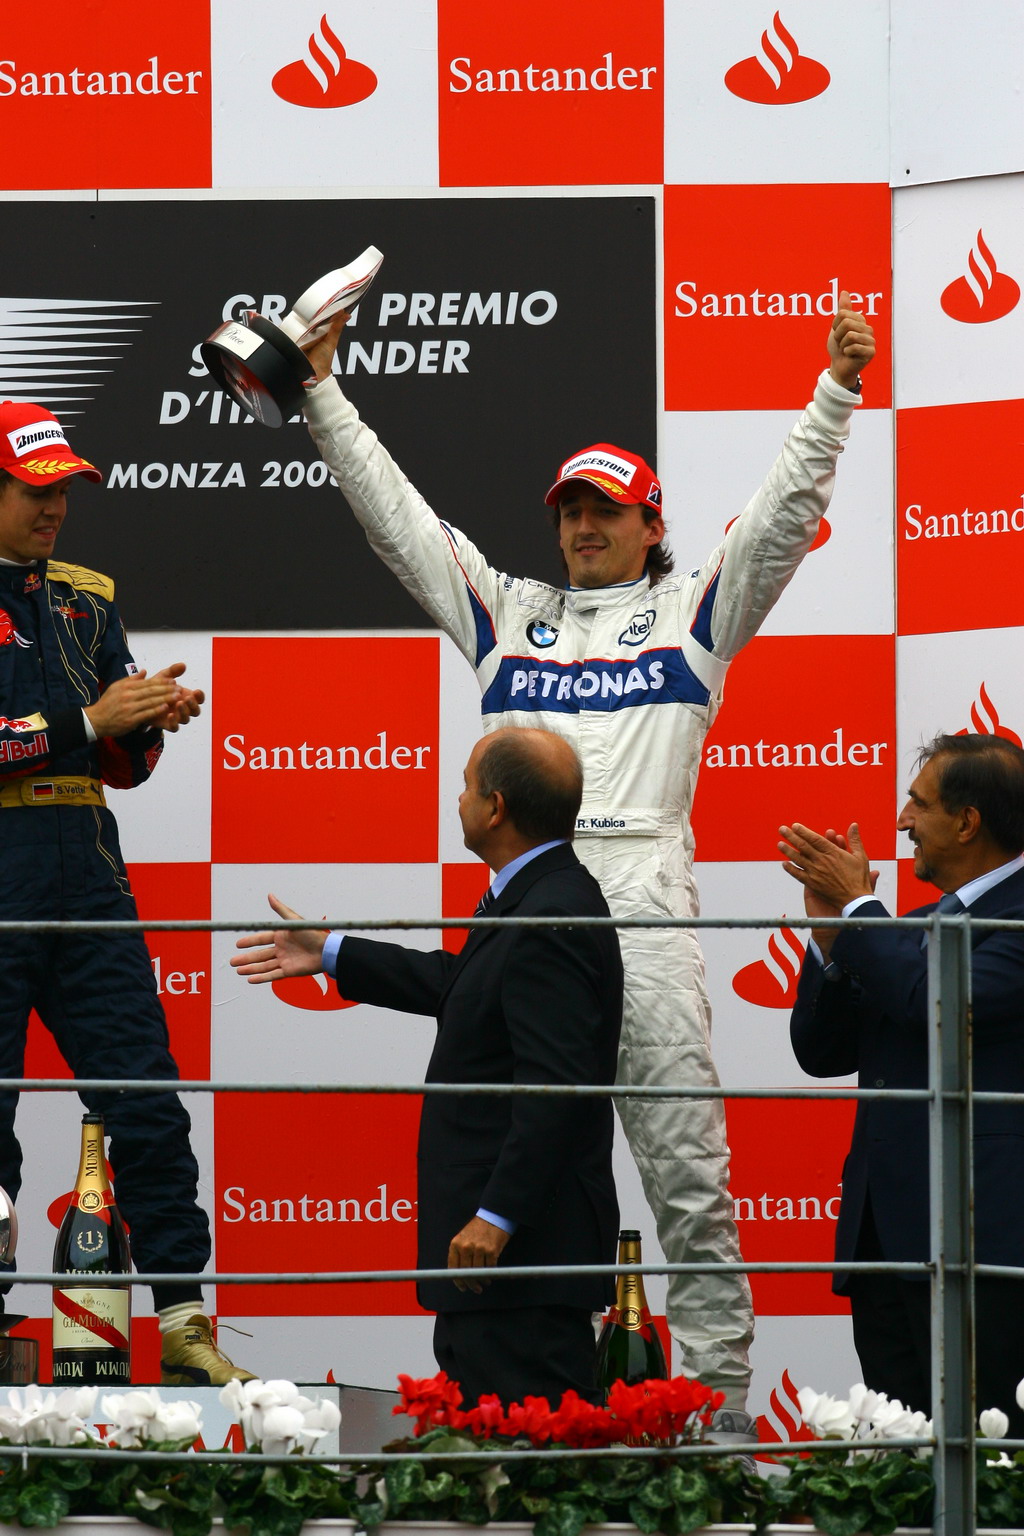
190,1358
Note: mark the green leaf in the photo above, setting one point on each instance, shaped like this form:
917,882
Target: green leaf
40,1505
644,1517
562,1519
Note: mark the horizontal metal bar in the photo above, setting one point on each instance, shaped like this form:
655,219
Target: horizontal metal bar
414,924
504,1272
503,1090
480,1459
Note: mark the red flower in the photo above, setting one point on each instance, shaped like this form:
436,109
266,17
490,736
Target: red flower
579,1423
431,1400
486,1418
531,1419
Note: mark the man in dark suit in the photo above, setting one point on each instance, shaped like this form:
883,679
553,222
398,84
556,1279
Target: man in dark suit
524,1180
862,1006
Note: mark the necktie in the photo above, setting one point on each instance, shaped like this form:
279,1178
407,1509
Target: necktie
485,903
950,902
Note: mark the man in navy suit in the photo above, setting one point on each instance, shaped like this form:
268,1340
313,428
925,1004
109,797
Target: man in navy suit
523,1180
862,1007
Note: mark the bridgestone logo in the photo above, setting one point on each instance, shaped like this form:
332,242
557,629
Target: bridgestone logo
37,435
598,461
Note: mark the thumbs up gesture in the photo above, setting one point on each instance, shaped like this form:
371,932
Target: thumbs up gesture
851,343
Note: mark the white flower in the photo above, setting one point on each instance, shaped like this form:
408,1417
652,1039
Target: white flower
276,1418
133,1418
993,1423
281,1427
828,1417
1019,1394
318,1419
177,1421
864,1403
894,1422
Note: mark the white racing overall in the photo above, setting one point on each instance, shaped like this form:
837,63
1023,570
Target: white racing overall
633,676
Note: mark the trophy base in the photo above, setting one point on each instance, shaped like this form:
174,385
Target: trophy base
259,367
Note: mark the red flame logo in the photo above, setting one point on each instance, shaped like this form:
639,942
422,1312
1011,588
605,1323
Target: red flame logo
992,725
983,293
778,74
772,983
822,536
783,1420
313,992
326,77
8,634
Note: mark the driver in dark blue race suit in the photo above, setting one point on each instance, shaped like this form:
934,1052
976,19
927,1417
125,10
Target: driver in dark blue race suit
76,714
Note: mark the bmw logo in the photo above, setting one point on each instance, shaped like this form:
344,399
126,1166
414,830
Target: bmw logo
541,635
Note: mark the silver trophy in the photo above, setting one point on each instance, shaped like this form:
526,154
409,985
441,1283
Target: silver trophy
259,362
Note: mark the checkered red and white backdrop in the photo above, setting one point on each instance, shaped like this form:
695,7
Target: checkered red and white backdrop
768,158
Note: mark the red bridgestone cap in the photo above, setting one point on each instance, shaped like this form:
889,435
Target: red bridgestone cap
33,447
620,474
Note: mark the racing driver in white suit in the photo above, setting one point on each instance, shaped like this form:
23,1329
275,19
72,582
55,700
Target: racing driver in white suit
629,664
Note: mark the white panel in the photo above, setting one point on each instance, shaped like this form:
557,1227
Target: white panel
750,1042
817,1352
167,819
359,1044
957,79
941,360
387,139
460,729
712,463
713,135
982,690
362,1351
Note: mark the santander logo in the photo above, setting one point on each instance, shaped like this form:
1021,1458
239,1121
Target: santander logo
783,1421
989,723
983,293
778,74
772,983
312,992
326,77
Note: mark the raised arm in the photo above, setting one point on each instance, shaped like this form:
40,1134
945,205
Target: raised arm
437,565
748,572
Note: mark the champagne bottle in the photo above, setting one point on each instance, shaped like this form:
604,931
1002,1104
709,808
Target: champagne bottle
629,1348
91,1320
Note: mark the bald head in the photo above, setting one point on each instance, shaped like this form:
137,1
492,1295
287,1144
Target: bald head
538,776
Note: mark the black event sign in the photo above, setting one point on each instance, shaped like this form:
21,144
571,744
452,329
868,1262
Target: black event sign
502,335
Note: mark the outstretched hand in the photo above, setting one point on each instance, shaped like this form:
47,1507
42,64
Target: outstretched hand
851,343
280,952
320,352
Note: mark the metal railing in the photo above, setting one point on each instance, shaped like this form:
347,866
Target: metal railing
950,1119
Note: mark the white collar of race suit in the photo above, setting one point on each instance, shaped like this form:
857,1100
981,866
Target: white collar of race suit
594,599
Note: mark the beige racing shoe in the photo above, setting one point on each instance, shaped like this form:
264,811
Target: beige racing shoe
190,1358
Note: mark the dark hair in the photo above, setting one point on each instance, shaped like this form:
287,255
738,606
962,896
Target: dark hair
6,479
660,559
542,796
986,772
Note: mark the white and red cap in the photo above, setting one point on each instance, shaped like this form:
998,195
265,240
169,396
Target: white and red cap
33,447
621,475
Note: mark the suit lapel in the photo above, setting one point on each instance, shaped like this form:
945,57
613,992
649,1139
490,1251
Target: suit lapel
508,900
